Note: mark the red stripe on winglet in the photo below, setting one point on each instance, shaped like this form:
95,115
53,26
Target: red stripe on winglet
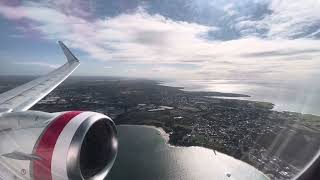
44,149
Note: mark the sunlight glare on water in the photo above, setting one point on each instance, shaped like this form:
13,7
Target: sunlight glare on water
286,96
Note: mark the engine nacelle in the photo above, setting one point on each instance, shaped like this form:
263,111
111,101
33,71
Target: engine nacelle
52,146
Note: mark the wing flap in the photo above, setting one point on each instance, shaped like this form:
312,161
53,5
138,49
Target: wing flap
25,96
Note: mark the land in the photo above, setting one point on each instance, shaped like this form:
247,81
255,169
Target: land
277,143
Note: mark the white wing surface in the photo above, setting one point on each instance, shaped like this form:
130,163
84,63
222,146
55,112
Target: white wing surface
25,96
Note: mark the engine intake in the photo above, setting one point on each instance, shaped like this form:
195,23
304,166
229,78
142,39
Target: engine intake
93,149
76,145
66,145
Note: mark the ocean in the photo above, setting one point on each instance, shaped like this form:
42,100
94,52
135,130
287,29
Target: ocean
302,97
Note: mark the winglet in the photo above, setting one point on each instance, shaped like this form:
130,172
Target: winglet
70,57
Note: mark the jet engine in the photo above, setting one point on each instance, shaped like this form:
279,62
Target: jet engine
57,146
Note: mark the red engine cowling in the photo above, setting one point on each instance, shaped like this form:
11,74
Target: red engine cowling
52,146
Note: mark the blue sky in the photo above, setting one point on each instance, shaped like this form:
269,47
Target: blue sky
175,39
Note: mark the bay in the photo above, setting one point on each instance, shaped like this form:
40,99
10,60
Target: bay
145,155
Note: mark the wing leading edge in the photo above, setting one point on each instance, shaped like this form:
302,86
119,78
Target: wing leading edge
25,96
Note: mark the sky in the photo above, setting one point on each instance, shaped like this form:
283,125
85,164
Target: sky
166,39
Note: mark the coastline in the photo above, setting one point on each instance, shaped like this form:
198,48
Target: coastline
246,130
177,136
284,97
166,137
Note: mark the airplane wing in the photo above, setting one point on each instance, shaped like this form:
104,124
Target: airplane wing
25,96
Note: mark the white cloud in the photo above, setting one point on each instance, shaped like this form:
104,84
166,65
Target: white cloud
133,37
288,19
230,10
142,38
41,64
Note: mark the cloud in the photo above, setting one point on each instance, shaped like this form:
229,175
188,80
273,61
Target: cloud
136,37
171,46
41,64
230,10
288,19
280,53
